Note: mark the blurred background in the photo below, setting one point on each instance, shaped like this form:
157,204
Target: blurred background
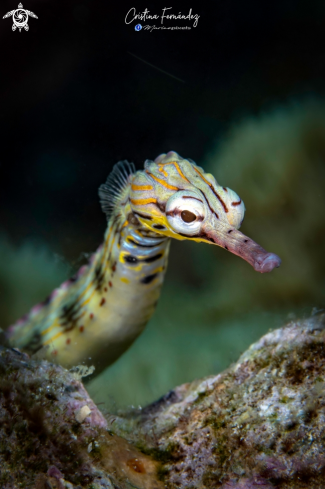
242,94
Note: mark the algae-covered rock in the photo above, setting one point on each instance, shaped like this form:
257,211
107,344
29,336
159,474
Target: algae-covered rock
259,424
52,435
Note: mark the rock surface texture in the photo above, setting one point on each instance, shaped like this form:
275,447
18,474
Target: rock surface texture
52,435
258,425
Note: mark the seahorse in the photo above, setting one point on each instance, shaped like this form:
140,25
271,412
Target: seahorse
97,314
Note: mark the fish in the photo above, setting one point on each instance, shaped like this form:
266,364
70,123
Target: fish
95,316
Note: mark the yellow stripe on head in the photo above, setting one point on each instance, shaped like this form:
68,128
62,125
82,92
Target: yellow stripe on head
199,173
162,182
180,171
162,170
143,201
141,187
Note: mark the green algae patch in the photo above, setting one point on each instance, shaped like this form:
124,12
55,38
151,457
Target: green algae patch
163,455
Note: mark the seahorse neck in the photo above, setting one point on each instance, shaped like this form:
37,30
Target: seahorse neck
97,314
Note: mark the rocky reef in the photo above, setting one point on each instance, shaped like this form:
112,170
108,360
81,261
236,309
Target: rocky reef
257,425
52,436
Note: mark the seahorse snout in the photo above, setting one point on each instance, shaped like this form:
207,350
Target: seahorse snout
237,243
267,262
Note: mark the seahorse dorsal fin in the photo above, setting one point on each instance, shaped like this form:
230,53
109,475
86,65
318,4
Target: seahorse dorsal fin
116,182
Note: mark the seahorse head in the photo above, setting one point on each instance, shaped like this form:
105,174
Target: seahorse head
174,197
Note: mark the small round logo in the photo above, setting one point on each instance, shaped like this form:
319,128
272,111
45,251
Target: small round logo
138,27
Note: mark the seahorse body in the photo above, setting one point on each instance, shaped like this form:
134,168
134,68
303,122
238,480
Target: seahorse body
95,316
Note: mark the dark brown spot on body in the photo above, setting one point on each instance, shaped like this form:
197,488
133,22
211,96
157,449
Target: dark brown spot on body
140,244
102,302
99,277
143,216
35,343
69,328
81,329
91,315
190,197
132,219
149,278
153,258
68,341
69,315
161,206
110,284
236,203
146,233
200,235
220,199
213,190
130,259
212,210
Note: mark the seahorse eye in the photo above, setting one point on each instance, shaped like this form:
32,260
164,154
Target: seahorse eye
185,212
188,216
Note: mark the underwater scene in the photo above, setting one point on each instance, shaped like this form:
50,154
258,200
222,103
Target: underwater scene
162,227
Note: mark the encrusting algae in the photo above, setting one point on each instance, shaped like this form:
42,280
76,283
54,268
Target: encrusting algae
258,424
52,435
